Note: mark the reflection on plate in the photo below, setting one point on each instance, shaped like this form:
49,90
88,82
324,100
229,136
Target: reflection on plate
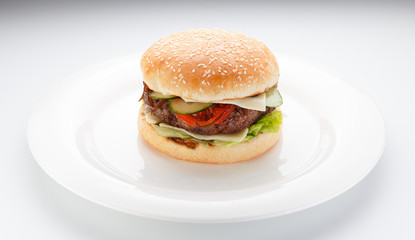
84,135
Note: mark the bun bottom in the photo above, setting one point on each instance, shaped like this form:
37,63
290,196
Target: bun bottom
192,151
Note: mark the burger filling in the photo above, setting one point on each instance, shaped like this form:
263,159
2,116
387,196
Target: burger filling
213,123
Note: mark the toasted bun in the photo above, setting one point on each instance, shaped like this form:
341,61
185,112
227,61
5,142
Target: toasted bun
206,154
206,65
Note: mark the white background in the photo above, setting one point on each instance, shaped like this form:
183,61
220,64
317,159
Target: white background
371,44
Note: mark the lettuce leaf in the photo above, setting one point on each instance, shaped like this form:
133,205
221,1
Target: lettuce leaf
268,123
169,132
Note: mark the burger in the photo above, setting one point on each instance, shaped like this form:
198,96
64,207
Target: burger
210,96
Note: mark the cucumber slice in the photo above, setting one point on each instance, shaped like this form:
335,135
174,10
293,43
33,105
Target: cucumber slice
158,95
273,98
179,106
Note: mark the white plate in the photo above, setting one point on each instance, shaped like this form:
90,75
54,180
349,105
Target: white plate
84,136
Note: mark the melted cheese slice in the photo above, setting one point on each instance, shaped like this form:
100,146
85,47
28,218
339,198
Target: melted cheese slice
234,137
258,102
150,118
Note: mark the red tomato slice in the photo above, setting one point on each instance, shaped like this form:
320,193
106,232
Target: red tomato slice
218,113
188,119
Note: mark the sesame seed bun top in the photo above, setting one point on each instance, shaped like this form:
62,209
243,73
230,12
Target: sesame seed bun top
207,65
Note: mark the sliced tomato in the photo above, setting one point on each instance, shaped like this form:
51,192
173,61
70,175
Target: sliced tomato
188,119
225,114
213,115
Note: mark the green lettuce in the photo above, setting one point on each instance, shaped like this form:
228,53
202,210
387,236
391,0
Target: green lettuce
170,132
268,123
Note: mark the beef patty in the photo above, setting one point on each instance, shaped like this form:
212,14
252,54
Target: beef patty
238,120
